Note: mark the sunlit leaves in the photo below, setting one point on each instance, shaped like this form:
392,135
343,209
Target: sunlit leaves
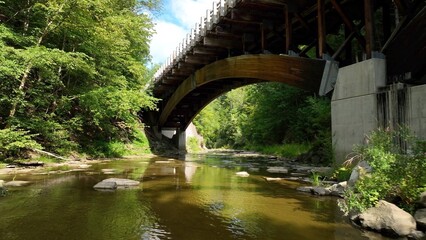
77,66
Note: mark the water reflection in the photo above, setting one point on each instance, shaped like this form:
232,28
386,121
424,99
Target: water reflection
199,198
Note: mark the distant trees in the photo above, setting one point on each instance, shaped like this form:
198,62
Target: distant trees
267,114
72,71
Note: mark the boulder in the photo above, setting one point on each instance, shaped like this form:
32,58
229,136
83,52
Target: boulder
361,168
422,201
387,219
320,191
242,174
16,183
105,186
277,170
420,217
338,189
416,235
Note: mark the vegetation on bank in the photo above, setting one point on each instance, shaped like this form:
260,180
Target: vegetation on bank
398,162
72,75
271,118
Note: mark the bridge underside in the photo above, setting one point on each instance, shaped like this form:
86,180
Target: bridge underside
240,42
206,84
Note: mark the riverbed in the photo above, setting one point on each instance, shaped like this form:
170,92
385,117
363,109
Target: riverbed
197,197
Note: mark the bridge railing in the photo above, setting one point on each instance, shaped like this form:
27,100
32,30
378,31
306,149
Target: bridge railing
197,34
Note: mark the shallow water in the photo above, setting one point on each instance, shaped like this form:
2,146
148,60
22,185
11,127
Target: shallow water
197,198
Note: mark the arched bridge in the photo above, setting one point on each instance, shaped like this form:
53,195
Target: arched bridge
297,42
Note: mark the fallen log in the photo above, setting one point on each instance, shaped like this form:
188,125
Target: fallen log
51,154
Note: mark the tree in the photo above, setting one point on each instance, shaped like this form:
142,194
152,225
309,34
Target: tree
74,70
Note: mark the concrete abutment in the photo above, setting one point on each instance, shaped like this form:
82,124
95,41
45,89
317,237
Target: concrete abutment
362,102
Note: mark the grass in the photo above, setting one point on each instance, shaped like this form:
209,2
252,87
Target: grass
315,177
287,150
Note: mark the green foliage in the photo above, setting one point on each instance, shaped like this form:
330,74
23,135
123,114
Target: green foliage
397,173
193,145
16,142
283,150
342,174
270,117
102,149
315,178
139,144
72,71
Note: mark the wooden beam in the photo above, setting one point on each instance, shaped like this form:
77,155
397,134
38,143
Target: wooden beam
321,28
344,45
348,23
288,30
369,27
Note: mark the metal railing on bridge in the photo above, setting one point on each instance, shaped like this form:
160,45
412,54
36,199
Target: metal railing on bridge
207,23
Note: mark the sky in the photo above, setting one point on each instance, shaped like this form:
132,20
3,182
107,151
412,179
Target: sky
174,22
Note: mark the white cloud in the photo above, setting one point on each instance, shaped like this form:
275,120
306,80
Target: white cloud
189,12
163,43
170,34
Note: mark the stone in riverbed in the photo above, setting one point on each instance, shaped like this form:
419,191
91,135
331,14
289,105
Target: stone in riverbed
320,191
338,189
242,174
109,171
422,201
16,183
388,219
420,217
121,182
417,235
105,186
271,179
307,189
277,170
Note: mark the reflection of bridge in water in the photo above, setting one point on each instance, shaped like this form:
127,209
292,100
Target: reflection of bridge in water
300,43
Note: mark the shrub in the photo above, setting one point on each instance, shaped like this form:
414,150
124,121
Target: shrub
16,143
399,167
193,145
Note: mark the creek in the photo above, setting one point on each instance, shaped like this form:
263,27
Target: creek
200,197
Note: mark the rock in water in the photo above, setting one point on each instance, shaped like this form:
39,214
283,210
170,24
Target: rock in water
16,183
388,219
121,182
2,189
338,189
242,174
105,186
114,183
277,170
420,217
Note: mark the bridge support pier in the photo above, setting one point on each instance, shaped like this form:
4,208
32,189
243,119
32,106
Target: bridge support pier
181,136
354,105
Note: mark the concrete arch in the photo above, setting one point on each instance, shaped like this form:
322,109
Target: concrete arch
303,73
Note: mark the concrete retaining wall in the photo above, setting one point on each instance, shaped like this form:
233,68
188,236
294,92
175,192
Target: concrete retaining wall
356,111
354,104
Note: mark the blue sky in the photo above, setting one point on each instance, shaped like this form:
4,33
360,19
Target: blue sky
175,21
